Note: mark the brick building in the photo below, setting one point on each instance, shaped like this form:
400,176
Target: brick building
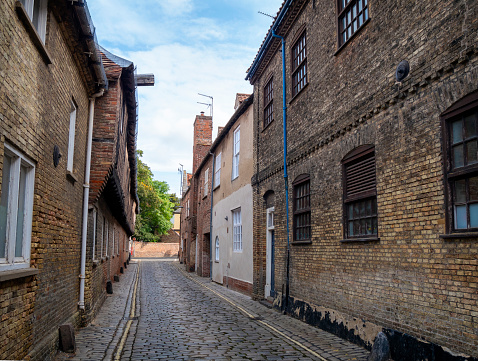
196,203
381,173
48,85
112,201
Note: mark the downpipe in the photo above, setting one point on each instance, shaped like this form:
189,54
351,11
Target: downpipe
286,183
86,194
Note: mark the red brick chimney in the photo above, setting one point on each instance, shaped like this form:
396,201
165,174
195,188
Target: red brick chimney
202,139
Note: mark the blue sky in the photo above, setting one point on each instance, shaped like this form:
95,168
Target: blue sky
192,47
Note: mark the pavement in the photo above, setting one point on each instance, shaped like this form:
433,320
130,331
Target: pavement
160,312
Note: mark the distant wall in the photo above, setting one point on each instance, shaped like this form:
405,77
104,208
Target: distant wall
155,249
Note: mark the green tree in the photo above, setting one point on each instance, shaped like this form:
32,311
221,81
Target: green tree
156,208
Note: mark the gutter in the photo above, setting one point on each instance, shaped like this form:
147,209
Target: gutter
210,217
269,38
86,194
89,33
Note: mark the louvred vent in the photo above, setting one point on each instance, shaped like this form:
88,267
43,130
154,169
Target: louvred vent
360,177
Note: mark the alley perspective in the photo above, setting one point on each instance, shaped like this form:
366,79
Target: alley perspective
229,180
163,313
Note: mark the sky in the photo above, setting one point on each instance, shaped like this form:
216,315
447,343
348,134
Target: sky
191,47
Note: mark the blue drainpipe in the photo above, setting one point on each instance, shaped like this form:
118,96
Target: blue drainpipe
284,108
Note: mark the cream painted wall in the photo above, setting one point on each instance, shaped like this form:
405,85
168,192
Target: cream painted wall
237,265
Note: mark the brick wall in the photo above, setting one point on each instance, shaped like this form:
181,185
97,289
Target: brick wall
155,249
410,280
35,103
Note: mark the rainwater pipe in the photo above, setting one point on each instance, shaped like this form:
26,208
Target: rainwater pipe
210,217
284,130
86,194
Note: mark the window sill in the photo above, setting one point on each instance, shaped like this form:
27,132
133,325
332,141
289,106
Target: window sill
96,262
17,273
360,240
267,126
452,236
23,16
300,243
216,187
71,177
298,94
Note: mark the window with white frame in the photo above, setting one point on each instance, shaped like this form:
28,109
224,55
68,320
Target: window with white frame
106,238
113,246
217,171
16,209
217,249
102,238
94,234
71,139
37,12
237,230
206,181
235,157
187,208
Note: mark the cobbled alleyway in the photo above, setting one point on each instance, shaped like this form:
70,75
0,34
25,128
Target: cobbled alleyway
159,312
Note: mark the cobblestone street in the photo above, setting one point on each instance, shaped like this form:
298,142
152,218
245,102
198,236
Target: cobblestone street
159,312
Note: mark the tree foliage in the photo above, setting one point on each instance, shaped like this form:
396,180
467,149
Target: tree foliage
156,207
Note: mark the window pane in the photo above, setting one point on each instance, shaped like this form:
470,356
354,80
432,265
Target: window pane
460,217
460,191
473,184
458,158
7,162
360,20
368,208
471,152
457,131
366,11
360,5
470,126
21,212
473,215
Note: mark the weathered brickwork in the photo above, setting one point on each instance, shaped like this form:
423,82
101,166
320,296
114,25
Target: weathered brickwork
155,249
203,219
35,105
112,197
410,280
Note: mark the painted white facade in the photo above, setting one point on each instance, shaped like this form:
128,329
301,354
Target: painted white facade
237,265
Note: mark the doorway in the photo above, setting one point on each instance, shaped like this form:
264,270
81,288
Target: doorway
269,289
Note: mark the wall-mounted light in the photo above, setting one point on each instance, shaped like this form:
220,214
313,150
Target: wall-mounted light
226,218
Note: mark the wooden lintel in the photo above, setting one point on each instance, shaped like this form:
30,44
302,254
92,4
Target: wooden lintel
144,79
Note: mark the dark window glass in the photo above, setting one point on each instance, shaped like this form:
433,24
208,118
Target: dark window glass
268,103
360,196
302,221
299,65
462,137
352,15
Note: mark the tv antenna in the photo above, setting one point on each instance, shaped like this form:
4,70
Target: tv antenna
209,105
260,12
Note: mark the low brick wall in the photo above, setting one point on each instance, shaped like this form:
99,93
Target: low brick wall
155,249
238,285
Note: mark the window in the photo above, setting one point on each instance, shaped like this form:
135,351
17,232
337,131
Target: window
461,127
206,181
113,246
187,208
102,238
94,233
235,157
106,238
16,209
71,140
352,15
299,65
237,230
37,12
217,249
217,171
360,195
302,213
268,103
